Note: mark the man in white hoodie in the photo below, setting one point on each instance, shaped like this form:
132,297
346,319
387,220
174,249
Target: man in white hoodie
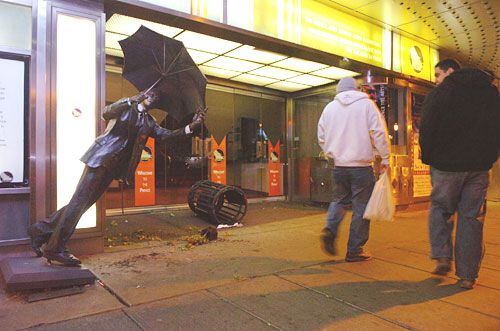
346,129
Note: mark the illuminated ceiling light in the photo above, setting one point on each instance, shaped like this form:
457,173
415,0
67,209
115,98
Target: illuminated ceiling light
250,53
206,43
335,73
200,57
129,25
217,72
112,40
253,79
310,80
113,69
287,86
229,63
114,52
293,63
276,73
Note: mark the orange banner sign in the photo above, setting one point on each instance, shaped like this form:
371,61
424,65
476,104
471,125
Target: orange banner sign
218,161
145,176
274,168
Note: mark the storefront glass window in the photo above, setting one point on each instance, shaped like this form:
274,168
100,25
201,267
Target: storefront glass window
260,123
312,175
391,101
15,26
396,121
233,147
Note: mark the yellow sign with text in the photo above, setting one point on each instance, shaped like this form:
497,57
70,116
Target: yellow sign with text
333,31
313,24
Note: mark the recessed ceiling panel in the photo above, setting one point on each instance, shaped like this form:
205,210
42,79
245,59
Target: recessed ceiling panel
114,52
206,43
199,56
300,65
254,79
112,40
287,86
230,63
217,72
310,80
113,69
250,53
276,73
335,73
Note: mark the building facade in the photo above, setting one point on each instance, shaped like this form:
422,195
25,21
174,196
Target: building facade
271,67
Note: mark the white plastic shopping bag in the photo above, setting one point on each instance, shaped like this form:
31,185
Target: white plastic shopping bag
380,207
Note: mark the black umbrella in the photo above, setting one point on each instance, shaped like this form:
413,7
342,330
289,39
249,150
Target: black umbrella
153,60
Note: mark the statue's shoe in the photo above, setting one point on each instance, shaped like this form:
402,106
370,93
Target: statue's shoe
64,257
38,238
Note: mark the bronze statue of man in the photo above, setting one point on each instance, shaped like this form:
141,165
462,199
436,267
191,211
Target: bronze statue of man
114,155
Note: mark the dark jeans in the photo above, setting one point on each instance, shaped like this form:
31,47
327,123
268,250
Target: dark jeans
464,193
352,185
61,224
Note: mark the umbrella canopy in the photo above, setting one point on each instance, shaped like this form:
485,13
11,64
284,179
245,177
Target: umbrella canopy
152,59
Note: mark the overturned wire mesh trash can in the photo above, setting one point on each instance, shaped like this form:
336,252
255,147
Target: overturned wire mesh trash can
217,203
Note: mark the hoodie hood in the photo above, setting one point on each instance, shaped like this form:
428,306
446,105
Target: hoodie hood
349,97
469,77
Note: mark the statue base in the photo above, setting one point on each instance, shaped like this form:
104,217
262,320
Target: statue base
30,273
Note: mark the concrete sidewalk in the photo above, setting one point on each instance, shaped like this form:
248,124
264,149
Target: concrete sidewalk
274,276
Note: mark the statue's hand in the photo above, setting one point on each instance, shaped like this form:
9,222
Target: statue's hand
138,98
198,118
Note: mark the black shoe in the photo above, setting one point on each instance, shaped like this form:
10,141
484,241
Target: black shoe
359,257
443,267
64,257
328,242
38,238
467,284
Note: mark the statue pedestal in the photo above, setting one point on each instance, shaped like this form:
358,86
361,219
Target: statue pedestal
30,273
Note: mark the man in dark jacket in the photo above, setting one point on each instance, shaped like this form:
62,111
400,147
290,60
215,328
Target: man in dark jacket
460,140
114,155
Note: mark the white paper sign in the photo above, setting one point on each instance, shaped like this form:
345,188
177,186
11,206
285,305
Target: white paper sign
11,121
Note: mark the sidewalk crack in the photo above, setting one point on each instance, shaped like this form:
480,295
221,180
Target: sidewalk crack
136,322
268,323
356,307
113,293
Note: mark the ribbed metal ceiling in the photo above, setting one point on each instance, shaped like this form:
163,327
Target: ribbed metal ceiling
466,30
